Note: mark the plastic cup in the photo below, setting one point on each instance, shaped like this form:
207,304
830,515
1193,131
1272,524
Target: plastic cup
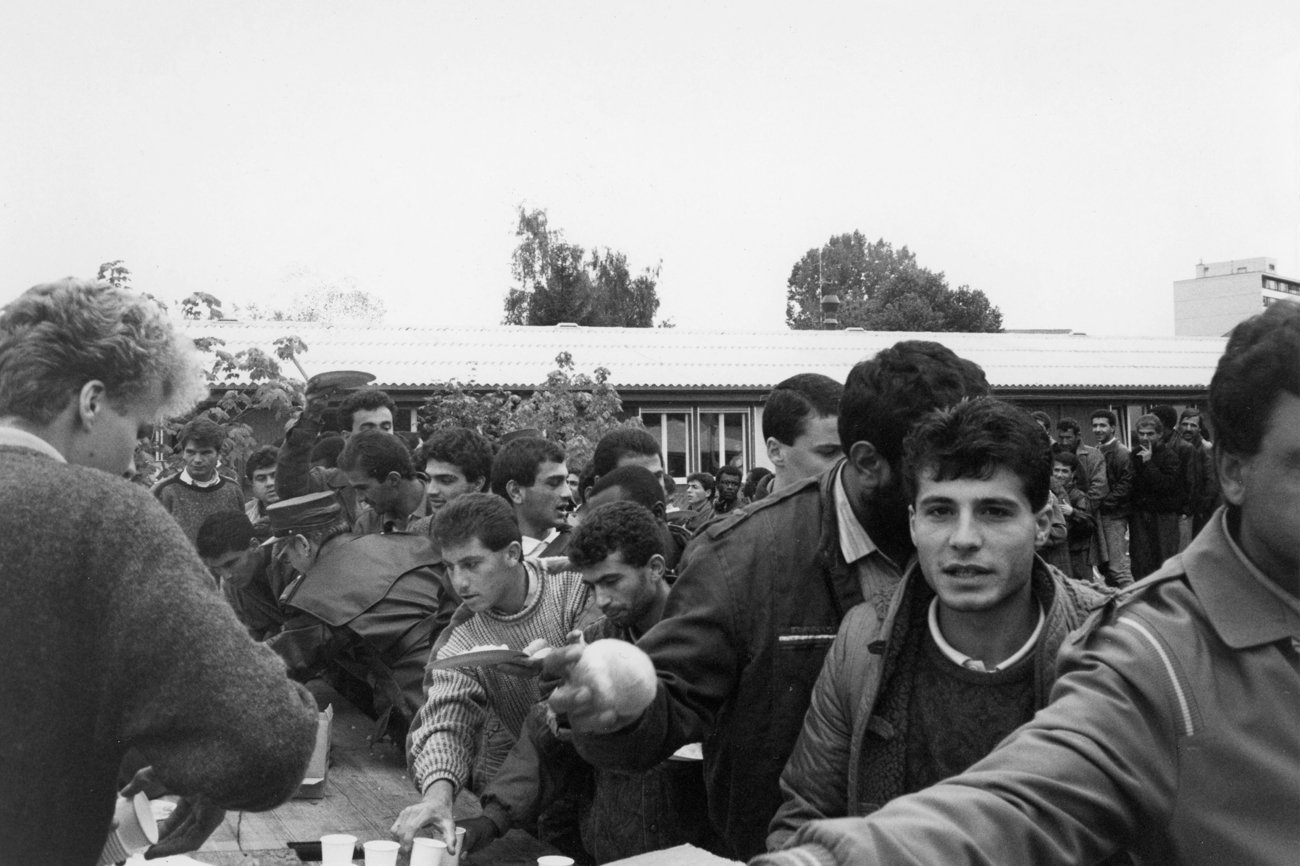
554,860
136,829
381,852
428,852
454,859
336,849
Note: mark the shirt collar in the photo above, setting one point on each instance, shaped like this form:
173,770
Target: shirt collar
1236,595
973,664
855,543
189,479
12,437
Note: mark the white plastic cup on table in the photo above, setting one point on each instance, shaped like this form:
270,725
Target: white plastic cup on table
336,849
381,852
136,829
554,860
454,859
428,852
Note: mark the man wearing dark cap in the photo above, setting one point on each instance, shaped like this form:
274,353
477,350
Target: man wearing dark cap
368,607
295,475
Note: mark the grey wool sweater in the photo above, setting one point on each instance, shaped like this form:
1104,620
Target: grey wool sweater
112,637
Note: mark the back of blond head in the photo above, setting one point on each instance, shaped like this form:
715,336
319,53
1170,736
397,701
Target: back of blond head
56,337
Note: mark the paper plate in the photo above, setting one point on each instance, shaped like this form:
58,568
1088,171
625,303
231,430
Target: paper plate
478,659
688,752
339,380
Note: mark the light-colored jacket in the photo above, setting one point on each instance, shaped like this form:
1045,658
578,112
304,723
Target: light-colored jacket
1172,732
823,776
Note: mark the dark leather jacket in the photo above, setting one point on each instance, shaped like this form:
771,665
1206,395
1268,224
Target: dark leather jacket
743,638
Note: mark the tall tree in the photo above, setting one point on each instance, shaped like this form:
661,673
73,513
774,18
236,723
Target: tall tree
560,282
881,289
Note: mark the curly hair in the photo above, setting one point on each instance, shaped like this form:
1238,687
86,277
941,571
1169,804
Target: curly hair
261,459
203,432
466,449
520,459
56,337
1260,362
365,400
973,440
638,484
885,395
619,527
224,532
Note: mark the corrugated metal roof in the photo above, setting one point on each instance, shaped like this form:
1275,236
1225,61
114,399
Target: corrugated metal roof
675,358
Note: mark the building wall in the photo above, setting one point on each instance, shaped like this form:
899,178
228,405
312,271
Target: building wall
1211,306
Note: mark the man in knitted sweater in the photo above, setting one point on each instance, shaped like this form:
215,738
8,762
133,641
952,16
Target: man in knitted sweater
198,490
114,636
515,603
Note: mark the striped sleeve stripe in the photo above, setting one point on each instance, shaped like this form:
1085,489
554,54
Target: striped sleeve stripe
1179,691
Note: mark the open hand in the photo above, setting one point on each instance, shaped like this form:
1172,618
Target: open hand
187,828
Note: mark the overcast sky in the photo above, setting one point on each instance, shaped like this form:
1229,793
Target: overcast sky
1070,159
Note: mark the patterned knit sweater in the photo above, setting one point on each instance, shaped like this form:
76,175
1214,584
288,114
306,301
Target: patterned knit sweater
191,504
445,734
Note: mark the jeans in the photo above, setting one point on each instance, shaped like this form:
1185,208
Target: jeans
1117,566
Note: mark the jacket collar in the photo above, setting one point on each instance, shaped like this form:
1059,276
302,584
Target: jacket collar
1241,609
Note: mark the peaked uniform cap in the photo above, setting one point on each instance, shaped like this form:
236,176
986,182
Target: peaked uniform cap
303,514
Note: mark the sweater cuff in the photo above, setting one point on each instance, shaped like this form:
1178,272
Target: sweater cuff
803,855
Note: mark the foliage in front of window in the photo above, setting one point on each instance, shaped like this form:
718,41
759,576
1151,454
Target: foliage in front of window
572,409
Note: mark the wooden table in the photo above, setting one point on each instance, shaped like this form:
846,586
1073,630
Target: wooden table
365,789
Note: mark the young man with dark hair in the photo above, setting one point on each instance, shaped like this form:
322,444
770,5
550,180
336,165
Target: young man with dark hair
325,453
530,474
251,580
365,610
1203,482
761,597
296,474
635,484
457,461
378,467
260,472
970,639
800,418
727,495
618,552
115,640
1172,728
1117,504
516,602
1158,496
627,446
1090,477
198,489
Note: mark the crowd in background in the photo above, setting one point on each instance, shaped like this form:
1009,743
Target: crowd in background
918,638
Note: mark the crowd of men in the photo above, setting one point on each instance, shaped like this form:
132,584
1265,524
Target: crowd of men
925,636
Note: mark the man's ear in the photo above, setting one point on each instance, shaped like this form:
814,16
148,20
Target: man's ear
658,567
392,479
254,543
514,492
776,452
91,402
1043,523
1232,470
480,484
911,522
515,550
586,494
867,462
660,511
